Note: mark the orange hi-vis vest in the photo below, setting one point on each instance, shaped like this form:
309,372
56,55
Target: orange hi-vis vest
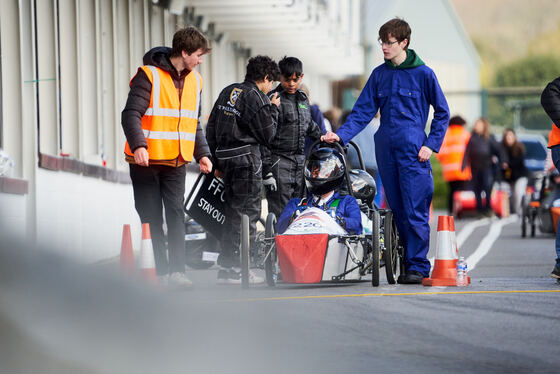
452,152
554,136
170,122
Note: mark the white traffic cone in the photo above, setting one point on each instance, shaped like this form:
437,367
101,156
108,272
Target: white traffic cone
447,254
147,263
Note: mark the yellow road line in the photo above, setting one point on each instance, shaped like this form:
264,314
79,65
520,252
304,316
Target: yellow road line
394,294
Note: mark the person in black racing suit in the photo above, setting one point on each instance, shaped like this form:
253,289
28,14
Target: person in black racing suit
283,160
243,119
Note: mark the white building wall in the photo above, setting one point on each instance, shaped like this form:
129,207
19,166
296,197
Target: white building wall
13,215
66,66
82,216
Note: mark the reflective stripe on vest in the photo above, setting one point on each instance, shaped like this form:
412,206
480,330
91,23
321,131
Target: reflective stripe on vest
451,154
554,136
169,124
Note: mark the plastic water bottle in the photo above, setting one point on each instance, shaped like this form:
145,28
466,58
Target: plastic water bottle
462,279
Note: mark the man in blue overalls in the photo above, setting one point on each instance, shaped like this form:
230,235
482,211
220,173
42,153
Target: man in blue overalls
403,88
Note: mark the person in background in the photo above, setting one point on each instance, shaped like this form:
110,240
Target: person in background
283,158
162,136
481,149
451,158
324,174
403,89
332,117
316,116
242,120
550,101
515,171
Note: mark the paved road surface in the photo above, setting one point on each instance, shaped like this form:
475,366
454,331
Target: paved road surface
59,317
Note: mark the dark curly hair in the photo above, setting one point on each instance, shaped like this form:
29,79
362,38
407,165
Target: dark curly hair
189,39
261,66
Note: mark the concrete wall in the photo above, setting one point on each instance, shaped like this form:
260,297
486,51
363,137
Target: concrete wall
82,216
65,70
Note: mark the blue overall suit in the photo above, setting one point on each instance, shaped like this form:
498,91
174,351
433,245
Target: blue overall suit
404,94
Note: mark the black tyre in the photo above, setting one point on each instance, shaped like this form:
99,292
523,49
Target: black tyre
533,226
524,216
390,255
244,249
375,248
271,262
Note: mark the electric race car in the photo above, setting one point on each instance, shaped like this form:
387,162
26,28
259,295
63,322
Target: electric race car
316,248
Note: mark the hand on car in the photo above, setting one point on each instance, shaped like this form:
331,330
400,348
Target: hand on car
330,137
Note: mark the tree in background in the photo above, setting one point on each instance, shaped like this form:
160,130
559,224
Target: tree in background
530,72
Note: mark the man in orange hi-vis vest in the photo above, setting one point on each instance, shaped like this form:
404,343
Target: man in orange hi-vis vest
550,100
163,133
451,158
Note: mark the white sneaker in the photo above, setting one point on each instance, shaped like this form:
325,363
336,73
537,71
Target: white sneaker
255,279
179,280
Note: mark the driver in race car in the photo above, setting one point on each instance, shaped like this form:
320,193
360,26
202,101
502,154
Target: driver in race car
324,173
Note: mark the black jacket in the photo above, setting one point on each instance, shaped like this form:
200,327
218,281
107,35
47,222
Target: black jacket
550,101
516,164
242,115
479,152
139,100
294,123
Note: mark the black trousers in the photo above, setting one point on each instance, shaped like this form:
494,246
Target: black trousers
482,180
243,195
453,187
156,187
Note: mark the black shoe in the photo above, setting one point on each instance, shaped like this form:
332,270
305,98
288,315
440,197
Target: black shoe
555,272
229,276
412,277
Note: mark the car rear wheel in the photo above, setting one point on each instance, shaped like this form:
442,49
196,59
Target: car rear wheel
375,248
390,255
245,248
271,261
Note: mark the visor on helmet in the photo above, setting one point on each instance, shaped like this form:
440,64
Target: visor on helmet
324,171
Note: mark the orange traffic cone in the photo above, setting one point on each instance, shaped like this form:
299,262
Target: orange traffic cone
127,255
445,265
147,262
